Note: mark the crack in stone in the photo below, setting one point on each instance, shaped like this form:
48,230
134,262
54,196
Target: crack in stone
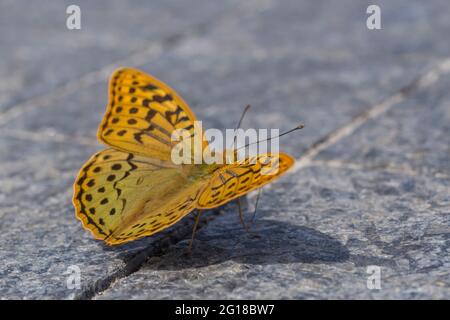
53,136
395,169
421,82
157,249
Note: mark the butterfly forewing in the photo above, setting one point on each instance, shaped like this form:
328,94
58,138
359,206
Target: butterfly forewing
238,179
142,114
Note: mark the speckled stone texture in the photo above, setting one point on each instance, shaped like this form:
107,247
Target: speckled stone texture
371,187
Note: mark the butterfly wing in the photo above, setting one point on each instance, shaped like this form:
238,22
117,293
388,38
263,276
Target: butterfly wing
142,113
120,196
135,191
237,179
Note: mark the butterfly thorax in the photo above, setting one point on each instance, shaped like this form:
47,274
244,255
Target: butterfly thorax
201,171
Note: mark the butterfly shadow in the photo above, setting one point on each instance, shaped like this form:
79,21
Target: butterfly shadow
271,242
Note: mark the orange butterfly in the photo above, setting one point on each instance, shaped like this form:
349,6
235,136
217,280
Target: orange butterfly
133,189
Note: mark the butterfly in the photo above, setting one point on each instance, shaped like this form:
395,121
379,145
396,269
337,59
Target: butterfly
132,189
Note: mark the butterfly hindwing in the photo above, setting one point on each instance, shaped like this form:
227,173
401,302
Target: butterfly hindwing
240,178
142,113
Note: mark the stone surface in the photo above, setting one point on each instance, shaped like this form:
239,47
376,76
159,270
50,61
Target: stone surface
39,52
379,196
288,73
316,233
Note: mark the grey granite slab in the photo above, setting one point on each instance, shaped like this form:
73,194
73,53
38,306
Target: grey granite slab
39,53
317,231
303,70
414,136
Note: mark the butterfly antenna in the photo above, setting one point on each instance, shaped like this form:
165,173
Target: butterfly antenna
300,126
197,220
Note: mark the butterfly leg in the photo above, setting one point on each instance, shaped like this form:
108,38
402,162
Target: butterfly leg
241,216
197,220
256,206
